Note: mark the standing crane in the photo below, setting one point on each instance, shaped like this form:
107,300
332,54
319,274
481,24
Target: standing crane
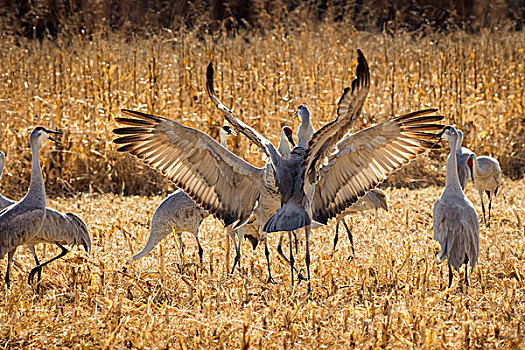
65,228
22,221
486,175
456,225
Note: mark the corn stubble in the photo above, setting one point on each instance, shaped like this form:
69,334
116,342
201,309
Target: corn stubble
392,294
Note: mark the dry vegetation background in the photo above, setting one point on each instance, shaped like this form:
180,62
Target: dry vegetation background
391,295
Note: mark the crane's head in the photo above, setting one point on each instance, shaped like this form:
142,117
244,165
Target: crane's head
40,134
302,111
448,133
227,131
287,132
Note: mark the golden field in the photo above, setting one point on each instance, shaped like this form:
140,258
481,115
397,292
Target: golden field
79,85
391,294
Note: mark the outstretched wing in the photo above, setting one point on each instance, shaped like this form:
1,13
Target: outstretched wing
348,107
255,137
365,159
219,181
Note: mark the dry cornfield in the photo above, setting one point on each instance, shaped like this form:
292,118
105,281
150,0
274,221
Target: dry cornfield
392,294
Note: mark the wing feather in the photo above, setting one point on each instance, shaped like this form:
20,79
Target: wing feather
365,159
215,178
255,137
349,107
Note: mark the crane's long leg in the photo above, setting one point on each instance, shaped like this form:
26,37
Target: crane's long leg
181,245
40,266
450,275
292,260
349,236
490,205
10,256
240,236
201,251
482,206
307,258
466,263
280,251
296,242
267,253
336,237
39,277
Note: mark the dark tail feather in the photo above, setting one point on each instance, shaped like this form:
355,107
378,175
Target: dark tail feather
287,218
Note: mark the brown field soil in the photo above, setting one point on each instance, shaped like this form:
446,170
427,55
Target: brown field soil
392,293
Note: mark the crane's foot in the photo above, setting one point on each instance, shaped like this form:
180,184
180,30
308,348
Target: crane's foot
271,280
32,274
301,277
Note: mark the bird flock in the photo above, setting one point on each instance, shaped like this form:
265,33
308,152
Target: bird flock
329,174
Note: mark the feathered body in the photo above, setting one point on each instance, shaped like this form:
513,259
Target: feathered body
177,213
456,226
486,173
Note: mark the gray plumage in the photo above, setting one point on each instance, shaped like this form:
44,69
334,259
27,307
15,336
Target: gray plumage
326,178
462,154
22,221
61,228
486,174
179,213
456,226
232,189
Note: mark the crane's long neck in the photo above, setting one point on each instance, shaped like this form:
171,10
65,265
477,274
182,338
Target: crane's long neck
223,139
37,189
284,147
304,134
459,141
2,164
452,167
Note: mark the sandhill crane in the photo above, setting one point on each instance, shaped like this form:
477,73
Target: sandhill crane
67,229
375,199
462,154
343,171
486,175
233,190
456,226
22,221
219,181
179,213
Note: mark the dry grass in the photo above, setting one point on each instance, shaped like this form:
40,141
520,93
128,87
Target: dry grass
391,295
79,85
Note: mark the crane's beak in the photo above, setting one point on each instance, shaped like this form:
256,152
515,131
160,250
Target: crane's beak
232,132
296,113
439,135
53,132
290,139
